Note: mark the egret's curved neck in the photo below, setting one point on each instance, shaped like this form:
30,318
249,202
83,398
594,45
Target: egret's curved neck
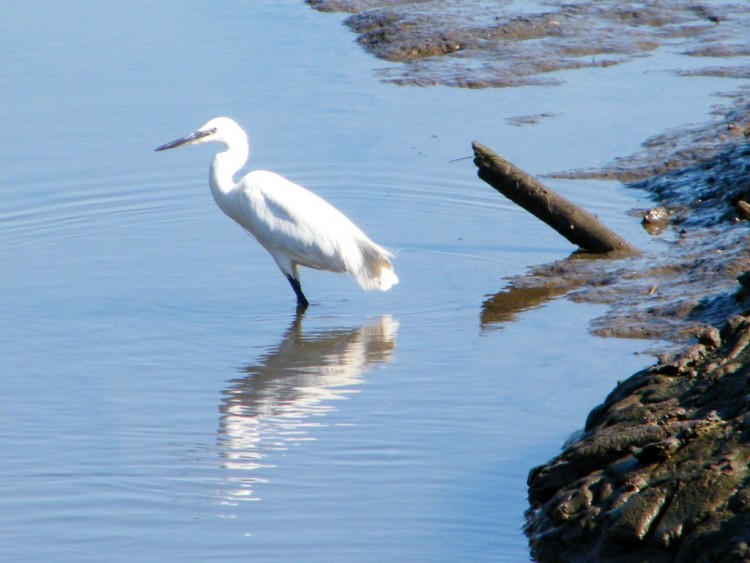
225,166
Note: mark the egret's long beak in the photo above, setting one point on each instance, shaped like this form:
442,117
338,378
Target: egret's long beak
184,140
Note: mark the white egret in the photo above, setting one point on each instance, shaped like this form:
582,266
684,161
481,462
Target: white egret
294,225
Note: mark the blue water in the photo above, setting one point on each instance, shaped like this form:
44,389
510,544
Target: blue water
159,400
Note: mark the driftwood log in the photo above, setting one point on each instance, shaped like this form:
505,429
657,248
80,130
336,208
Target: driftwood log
577,225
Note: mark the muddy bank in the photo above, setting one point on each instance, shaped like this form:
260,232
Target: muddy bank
480,44
680,147
660,471
704,241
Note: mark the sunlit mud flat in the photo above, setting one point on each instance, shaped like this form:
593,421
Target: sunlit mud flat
480,44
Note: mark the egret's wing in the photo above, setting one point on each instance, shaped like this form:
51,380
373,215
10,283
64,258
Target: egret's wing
289,219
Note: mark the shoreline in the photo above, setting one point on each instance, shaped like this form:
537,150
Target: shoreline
660,472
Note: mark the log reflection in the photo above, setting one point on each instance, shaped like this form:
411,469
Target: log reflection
506,304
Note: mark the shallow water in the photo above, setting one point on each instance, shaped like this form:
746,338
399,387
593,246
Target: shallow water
160,401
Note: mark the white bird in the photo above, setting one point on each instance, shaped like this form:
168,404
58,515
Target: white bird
294,225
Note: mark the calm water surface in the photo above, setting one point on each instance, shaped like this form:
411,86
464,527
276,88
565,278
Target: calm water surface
159,400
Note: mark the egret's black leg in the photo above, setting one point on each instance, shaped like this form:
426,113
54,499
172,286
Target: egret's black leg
301,299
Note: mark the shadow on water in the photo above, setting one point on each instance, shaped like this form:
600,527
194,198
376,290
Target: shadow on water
271,407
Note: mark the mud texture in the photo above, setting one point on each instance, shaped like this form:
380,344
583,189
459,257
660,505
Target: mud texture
661,472
491,43
681,147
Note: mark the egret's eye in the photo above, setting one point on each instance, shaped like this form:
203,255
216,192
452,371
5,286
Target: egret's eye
212,130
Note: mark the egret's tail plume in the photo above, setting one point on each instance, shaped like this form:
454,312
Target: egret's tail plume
376,271
388,277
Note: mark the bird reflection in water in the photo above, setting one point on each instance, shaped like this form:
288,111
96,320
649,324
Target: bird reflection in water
278,399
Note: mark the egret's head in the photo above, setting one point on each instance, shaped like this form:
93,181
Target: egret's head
220,129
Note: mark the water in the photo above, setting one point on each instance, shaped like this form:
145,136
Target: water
160,401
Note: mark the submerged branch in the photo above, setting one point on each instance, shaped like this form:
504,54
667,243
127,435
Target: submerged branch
577,225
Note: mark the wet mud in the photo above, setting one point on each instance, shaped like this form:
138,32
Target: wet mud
495,43
688,282
679,148
661,470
